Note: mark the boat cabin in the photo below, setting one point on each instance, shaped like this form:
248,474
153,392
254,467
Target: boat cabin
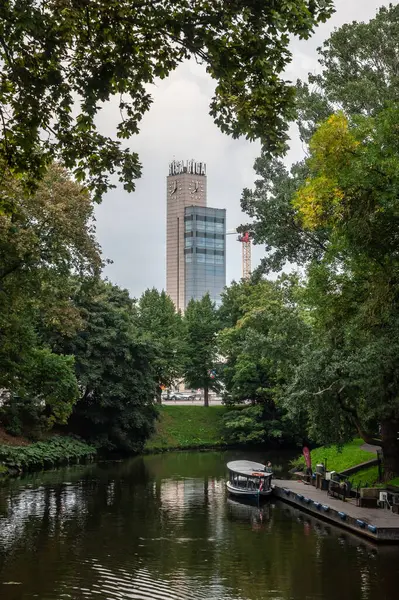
249,476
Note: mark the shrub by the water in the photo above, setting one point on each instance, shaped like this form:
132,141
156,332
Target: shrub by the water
58,450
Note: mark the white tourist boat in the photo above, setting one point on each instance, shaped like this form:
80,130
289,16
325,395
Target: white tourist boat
248,479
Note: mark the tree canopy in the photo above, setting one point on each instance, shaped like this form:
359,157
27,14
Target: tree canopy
358,78
114,369
47,235
200,348
335,215
261,347
162,326
352,193
359,72
61,60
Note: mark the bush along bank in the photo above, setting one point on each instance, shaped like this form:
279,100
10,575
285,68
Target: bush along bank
54,452
192,427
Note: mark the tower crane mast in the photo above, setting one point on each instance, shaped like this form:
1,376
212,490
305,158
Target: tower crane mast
245,240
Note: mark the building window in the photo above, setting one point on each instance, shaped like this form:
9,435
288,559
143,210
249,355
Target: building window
209,219
209,251
188,251
190,234
188,218
210,235
205,242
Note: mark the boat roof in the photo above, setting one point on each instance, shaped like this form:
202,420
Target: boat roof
247,468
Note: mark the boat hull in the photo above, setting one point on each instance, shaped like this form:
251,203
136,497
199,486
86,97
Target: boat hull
243,493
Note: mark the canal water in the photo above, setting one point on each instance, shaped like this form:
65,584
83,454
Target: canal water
162,528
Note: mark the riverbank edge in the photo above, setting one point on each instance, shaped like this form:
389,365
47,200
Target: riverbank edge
345,458
55,452
199,448
195,427
361,521
362,473
178,429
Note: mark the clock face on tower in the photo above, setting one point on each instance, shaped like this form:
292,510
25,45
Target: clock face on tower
173,187
195,187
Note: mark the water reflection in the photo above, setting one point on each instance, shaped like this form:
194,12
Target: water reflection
161,527
257,516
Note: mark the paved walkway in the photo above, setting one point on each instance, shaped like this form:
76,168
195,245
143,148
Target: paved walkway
370,448
386,522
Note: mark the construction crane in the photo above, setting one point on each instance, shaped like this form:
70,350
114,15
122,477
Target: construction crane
245,239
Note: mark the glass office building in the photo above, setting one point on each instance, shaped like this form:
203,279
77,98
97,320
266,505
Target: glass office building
204,252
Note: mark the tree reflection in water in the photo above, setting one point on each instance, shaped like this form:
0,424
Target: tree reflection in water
161,527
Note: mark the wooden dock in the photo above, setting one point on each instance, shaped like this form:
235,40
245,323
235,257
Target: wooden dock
377,524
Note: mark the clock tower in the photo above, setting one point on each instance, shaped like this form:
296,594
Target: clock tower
185,186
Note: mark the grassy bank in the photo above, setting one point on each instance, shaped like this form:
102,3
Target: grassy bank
350,455
339,459
369,478
180,427
59,450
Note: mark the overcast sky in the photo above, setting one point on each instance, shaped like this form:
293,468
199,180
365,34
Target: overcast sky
131,227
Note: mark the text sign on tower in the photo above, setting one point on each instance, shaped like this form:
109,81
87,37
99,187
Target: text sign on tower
176,167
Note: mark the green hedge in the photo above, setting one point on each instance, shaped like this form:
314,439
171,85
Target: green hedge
56,451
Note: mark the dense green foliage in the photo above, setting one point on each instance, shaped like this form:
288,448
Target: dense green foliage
313,356
56,55
200,349
261,424
359,72
350,371
48,236
72,352
162,327
336,215
187,427
75,351
114,368
261,343
56,451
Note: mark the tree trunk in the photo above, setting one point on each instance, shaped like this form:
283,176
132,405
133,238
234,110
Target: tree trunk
159,395
390,447
366,436
206,396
